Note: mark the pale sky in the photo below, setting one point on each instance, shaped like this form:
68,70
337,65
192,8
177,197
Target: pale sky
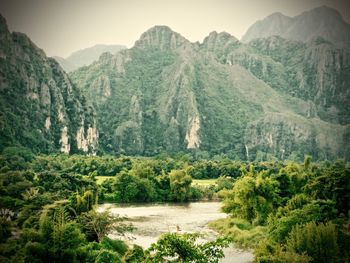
61,27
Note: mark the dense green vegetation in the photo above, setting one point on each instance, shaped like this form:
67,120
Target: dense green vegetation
287,212
291,212
47,207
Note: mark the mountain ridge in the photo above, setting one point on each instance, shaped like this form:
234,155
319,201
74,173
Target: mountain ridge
86,56
204,97
272,98
323,21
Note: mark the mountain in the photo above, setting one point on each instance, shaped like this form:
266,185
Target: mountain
322,22
316,71
270,99
86,56
40,108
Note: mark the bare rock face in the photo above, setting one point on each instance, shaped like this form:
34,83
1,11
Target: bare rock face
87,139
192,136
279,135
40,107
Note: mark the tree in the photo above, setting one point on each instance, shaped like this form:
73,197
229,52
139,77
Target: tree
180,183
319,241
100,224
5,224
252,198
173,247
332,182
135,255
60,236
299,210
30,193
224,182
108,256
127,187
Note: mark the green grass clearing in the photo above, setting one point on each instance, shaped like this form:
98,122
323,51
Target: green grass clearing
243,233
100,179
203,182
200,182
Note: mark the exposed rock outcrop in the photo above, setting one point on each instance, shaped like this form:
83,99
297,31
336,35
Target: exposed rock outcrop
40,107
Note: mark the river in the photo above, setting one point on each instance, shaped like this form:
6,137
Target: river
152,220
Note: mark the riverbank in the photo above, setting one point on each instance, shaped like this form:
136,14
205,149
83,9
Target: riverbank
153,220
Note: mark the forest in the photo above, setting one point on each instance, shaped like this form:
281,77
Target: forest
283,210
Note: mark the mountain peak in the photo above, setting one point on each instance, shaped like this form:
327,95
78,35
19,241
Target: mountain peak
322,13
322,21
221,35
220,40
87,56
277,15
325,10
162,37
160,28
274,24
3,25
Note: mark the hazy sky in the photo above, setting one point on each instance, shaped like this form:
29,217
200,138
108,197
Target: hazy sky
63,26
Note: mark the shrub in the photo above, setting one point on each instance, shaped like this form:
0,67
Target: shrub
319,241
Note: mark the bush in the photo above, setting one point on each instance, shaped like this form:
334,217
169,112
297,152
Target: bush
114,245
242,232
135,255
319,241
107,256
269,252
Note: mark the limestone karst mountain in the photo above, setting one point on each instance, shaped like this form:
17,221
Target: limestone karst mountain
322,22
40,108
220,96
270,98
86,56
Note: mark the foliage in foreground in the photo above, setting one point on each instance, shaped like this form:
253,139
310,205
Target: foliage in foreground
291,213
48,207
183,248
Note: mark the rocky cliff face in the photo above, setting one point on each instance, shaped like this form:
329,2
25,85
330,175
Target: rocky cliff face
40,108
322,22
219,96
316,71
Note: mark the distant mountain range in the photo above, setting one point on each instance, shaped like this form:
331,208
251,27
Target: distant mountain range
270,98
86,56
322,22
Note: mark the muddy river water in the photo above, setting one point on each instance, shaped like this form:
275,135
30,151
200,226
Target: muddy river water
152,220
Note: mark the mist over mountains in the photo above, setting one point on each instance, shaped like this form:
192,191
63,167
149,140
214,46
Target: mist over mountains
322,22
86,56
281,92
